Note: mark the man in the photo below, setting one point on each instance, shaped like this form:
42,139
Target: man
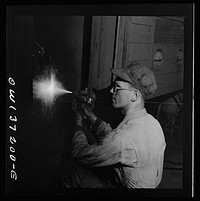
135,149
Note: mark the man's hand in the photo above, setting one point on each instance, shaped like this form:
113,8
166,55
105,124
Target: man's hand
78,115
78,119
89,114
84,111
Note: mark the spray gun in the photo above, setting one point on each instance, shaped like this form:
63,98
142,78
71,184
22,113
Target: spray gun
84,97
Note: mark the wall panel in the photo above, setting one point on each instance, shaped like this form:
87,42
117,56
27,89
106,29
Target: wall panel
139,33
139,51
168,82
102,50
137,39
142,36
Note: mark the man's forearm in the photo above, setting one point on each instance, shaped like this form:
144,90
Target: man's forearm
93,155
92,118
101,128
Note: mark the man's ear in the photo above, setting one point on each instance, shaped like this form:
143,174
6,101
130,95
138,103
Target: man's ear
135,95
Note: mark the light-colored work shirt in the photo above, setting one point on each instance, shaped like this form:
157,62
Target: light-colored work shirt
136,146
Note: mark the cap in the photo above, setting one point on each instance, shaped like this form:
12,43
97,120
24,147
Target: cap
140,76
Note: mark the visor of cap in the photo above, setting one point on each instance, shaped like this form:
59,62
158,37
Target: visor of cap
120,72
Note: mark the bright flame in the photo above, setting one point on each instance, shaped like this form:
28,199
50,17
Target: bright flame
47,89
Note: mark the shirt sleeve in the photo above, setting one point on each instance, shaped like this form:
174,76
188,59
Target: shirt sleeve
101,129
112,150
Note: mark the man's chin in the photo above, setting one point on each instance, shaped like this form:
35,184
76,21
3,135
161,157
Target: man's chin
114,105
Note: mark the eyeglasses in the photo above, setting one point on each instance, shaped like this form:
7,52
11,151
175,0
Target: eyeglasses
116,87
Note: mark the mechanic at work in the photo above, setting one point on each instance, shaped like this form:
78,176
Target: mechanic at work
135,149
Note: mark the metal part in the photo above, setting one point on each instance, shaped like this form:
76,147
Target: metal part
85,96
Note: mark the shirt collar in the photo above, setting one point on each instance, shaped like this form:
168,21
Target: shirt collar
135,114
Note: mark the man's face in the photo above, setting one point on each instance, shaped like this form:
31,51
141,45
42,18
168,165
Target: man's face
121,97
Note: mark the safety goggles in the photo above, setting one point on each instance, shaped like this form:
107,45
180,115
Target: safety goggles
116,88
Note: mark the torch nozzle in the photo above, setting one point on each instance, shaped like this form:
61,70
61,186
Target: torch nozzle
67,91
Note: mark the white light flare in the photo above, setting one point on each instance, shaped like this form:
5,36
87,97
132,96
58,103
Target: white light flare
47,89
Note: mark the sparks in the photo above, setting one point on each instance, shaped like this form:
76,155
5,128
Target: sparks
47,88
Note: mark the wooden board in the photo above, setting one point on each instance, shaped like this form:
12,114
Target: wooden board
139,34
139,51
102,49
168,31
168,83
94,52
135,38
141,20
121,42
